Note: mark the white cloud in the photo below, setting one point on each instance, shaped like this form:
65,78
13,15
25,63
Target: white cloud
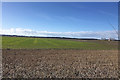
81,34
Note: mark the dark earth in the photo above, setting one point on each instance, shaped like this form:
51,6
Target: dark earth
59,63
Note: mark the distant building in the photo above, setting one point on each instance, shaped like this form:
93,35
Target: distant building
111,39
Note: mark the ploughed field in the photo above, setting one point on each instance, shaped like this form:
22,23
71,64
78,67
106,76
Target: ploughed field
57,58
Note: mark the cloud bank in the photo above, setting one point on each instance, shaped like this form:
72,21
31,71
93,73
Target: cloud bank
80,34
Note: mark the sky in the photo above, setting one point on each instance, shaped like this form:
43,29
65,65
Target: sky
60,19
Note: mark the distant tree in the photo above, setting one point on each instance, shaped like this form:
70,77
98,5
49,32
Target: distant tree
103,39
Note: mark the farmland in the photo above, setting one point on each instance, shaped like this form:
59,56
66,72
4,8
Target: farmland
58,58
45,43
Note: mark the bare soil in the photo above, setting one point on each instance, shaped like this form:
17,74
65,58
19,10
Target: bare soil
59,63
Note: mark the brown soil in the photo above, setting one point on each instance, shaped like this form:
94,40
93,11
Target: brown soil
44,63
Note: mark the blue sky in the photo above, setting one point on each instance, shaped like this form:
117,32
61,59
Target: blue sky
60,17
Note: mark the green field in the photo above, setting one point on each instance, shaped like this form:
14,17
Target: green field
45,43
